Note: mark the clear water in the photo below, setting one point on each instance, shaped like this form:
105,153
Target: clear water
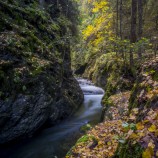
56,141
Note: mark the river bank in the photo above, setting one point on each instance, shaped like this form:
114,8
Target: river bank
57,140
130,120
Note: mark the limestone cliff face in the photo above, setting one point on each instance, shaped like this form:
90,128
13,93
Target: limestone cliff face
36,82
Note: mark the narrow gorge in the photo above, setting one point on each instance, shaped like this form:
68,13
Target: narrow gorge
78,79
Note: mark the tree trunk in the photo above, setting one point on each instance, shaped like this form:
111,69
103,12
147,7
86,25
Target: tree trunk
121,19
117,24
117,18
133,37
140,25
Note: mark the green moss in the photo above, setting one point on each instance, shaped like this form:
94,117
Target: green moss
85,128
69,153
83,139
129,150
32,42
133,97
153,73
2,75
36,71
155,76
148,88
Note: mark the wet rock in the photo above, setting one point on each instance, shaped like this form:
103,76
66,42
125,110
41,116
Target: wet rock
81,69
36,81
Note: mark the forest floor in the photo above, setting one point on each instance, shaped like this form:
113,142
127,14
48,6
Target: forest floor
124,131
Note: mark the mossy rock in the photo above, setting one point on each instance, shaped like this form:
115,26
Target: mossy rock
85,128
84,139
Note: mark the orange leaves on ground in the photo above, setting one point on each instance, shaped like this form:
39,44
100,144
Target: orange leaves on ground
152,128
139,126
104,143
108,134
147,154
133,136
146,133
149,151
122,127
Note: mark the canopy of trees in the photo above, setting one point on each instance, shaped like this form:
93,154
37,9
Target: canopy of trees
128,28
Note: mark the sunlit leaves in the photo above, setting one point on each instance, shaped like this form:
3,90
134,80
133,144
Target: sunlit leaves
152,128
97,29
106,141
88,31
102,5
139,126
147,154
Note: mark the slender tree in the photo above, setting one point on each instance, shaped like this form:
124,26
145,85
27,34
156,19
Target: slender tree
140,25
121,19
133,37
117,18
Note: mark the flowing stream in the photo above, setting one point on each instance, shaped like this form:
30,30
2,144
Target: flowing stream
56,141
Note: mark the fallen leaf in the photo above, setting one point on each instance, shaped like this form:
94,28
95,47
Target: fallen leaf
152,128
133,136
147,154
139,126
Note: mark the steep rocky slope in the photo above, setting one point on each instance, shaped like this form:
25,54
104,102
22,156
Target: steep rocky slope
36,82
145,90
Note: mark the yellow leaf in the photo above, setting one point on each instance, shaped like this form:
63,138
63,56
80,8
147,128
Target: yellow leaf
111,154
152,128
141,134
156,153
145,121
133,136
109,143
103,135
100,143
139,126
147,154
